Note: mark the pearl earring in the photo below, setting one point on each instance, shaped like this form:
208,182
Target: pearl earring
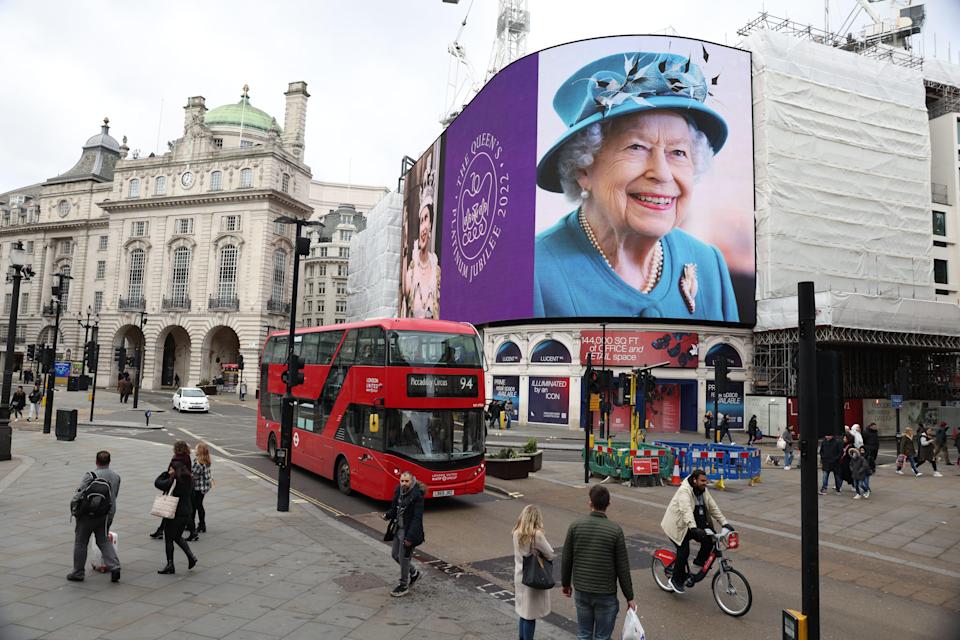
584,194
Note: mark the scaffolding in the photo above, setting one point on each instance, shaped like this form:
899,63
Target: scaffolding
869,359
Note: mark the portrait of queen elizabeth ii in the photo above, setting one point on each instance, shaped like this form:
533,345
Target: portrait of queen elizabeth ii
638,137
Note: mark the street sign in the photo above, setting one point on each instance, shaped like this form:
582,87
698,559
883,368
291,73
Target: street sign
594,402
646,466
896,401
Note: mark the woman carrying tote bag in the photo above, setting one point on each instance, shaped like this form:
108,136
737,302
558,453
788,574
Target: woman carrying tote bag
528,537
178,482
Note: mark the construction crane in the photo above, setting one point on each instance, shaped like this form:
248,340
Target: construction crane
463,81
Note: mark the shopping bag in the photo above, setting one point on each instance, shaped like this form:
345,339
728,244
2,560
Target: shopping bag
900,460
781,443
96,562
632,629
165,504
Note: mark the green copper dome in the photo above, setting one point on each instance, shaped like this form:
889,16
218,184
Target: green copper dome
233,114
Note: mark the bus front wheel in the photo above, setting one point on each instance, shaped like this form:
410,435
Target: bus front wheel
272,447
343,476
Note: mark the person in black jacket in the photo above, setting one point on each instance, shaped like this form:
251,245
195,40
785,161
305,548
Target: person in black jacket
830,451
407,510
19,401
871,445
178,480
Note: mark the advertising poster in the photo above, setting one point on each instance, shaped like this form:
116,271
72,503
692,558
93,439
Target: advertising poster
660,223
535,221
508,388
550,352
640,348
419,240
508,353
663,413
487,252
619,420
731,403
548,400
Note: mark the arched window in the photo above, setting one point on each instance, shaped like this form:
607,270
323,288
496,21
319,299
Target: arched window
134,191
216,181
725,351
246,178
279,274
138,258
508,353
227,285
160,186
550,351
65,290
181,275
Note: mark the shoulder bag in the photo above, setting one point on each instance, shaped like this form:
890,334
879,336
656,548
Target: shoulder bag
165,504
537,571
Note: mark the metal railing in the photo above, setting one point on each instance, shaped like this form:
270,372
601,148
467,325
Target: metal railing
223,303
181,303
132,304
278,306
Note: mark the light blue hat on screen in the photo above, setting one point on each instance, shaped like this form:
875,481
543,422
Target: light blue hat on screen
626,83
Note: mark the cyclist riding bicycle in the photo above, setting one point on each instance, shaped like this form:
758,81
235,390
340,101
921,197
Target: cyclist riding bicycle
691,510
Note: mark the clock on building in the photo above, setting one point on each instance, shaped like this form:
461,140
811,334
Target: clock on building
186,179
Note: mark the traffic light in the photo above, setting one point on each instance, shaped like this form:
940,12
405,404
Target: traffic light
293,376
650,384
621,395
120,357
240,361
46,364
90,356
720,371
31,352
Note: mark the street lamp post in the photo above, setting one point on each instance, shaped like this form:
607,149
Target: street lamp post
141,356
302,247
86,332
51,379
18,273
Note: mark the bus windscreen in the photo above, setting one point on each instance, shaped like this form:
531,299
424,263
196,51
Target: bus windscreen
435,435
427,349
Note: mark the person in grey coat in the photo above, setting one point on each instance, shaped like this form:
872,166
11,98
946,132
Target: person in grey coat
860,473
788,449
95,526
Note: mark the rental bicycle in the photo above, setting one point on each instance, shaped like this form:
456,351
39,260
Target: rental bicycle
730,588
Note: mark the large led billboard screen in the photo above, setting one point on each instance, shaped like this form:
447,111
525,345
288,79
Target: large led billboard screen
610,177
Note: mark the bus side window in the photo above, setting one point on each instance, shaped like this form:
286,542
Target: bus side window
308,348
371,346
338,372
304,416
327,345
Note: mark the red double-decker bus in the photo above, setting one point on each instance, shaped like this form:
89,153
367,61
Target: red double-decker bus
381,397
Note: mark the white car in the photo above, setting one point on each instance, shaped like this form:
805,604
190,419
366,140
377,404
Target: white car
190,399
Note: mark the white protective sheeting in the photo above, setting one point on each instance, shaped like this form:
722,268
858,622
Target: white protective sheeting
373,277
842,150
941,71
858,311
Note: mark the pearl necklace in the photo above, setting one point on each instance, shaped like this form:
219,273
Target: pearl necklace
655,273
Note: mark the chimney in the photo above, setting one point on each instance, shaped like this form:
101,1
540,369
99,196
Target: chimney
295,118
194,111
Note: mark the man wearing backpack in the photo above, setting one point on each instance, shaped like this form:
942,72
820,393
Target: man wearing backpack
94,505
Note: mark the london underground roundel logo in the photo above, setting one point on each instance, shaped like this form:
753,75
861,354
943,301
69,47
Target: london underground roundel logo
483,195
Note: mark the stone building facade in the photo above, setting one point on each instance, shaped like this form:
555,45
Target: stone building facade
178,251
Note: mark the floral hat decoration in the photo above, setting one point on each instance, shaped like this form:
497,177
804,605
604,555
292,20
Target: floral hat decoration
626,83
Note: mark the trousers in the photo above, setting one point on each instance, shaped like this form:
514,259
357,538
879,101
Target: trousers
403,556
98,528
596,615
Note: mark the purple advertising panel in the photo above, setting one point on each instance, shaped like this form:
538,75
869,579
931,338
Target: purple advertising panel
508,388
604,178
548,400
490,177
550,352
730,405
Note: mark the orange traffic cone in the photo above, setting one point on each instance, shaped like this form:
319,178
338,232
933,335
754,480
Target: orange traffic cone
675,480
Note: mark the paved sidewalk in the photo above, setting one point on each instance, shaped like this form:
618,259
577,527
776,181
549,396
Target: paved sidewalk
261,575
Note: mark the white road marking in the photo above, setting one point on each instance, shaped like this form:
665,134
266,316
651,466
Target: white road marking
209,444
791,536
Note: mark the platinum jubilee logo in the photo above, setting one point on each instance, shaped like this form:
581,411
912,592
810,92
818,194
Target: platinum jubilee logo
481,206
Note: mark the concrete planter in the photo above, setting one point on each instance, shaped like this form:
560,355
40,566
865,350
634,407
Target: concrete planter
508,468
536,461
209,389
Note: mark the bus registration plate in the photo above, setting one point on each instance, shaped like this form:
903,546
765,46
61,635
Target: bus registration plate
443,493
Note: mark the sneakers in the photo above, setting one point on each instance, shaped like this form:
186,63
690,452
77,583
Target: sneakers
937,474
115,575
866,495
838,491
900,471
918,474
786,468
678,588
823,491
414,576
857,497
400,590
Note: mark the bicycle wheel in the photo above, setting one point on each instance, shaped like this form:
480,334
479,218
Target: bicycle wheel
661,574
732,592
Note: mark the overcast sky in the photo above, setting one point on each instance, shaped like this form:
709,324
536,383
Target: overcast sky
377,70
